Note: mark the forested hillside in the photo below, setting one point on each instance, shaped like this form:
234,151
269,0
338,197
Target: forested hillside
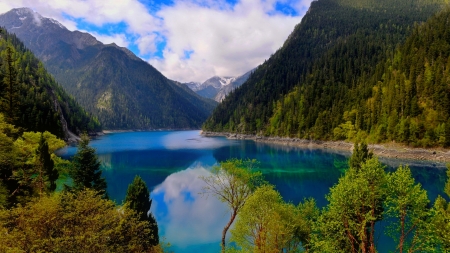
330,79
120,89
31,99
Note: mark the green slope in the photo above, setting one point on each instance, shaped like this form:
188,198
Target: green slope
38,102
328,66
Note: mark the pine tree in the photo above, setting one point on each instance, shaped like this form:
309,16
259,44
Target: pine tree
138,199
86,171
360,155
10,101
47,166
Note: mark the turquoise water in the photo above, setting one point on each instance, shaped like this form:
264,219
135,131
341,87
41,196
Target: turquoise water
171,162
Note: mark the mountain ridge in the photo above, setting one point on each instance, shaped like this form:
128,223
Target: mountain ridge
325,74
122,90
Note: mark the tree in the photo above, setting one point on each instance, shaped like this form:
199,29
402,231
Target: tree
360,155
34,170
267,224
73,222
440,217
406,203
10,102
47,172
138,199
86,171
232,183
7,161
347,224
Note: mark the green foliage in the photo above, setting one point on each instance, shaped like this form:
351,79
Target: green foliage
26,164
359,156
10,100
268,224
347,224
138,199
440,219
82,222
31,99
85,170
232,183
342,75
263,225
47,171
406,203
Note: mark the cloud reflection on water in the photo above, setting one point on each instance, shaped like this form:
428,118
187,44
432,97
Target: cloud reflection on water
185,216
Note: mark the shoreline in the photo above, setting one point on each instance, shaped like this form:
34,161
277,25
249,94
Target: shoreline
386,150
146,130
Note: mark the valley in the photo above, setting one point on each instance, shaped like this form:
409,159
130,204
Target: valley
225,126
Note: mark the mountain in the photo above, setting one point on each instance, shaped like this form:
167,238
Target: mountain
218,87
193,85
324,82
31,99
123,91
225,90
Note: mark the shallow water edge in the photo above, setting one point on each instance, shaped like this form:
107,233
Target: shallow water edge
391,151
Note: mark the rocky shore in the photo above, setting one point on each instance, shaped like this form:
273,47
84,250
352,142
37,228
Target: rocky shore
391,150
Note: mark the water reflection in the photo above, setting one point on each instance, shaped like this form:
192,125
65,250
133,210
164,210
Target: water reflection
171,162
185,216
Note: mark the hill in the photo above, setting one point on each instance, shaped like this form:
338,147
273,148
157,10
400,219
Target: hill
326,73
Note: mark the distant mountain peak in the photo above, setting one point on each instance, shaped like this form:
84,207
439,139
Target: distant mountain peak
25,12
217,87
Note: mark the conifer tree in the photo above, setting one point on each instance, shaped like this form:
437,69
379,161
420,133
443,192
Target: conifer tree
86,171
138,199
49,173
10,101
360,154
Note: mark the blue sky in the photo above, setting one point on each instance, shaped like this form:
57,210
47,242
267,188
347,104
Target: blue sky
186,40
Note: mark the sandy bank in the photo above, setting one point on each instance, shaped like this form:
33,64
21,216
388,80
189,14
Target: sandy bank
396,151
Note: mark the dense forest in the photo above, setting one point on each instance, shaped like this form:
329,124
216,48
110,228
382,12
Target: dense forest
354,70
34,217
31,99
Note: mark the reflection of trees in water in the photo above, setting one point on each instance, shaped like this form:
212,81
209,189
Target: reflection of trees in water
105,161
299,172
152,165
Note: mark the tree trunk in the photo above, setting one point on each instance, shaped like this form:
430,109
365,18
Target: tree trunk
225,229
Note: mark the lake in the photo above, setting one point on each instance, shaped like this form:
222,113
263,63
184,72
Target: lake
171,162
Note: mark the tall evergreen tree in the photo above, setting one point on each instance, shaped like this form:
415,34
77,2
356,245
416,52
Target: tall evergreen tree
86,171
138,199
360,154
46,166
10,102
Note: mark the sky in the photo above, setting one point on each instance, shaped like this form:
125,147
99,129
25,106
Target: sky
186,40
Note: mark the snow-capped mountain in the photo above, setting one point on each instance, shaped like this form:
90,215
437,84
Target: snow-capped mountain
218,87
195,86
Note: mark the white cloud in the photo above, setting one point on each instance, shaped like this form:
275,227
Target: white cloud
184,216
119,39
224,40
